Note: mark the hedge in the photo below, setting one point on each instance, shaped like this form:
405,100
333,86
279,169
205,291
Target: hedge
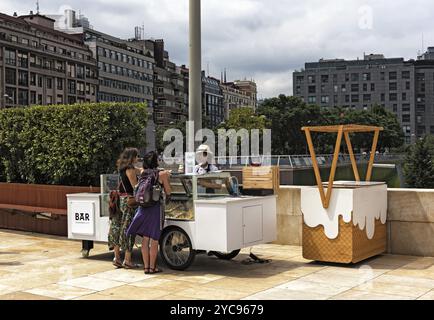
67,144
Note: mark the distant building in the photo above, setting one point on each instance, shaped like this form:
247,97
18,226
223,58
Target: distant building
212,101
250,88
170,87
235,98
40,65
125,67
359,84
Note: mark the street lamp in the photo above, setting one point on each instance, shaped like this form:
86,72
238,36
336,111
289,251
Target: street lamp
195,73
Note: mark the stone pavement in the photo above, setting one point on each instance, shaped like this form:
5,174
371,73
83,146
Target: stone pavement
34,266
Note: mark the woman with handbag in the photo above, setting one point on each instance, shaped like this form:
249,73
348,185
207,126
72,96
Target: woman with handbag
118,240
148,221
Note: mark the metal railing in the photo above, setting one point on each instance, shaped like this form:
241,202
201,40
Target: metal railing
296,161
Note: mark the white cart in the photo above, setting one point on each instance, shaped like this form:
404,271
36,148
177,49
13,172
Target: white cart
201,217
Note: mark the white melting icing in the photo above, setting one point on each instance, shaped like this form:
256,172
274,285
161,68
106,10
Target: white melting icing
362,206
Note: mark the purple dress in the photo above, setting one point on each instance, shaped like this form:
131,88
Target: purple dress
147,222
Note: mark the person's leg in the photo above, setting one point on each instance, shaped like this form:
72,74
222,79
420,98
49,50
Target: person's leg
145,253
153,256
114,240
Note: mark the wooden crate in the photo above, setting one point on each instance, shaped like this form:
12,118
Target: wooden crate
351,246
266,178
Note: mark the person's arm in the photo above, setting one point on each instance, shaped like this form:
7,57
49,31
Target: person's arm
131,174
164,180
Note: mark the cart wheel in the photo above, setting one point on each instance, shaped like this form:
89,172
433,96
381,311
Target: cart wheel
176,249
226,256
85,253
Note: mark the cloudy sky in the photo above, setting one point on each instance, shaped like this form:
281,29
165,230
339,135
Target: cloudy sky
263,39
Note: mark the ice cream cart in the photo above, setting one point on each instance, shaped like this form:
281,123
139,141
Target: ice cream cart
203,215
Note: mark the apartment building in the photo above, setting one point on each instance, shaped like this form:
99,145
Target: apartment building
170,87
250,88
40,65
212,101
359,84
234,98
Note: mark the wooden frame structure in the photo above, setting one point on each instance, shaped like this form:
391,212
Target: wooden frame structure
342,131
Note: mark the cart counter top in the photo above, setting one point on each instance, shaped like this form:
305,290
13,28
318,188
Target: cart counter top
227,200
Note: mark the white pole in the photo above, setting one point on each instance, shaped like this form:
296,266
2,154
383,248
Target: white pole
195,75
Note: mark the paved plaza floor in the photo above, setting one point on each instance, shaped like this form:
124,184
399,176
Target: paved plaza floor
34,266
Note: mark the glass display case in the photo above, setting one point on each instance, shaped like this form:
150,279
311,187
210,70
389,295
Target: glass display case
188,188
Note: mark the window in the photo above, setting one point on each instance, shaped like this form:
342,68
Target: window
393,86
80,88
335,88
325,99
393,97
32,97
405,75
59,85
354,98
33,79
10,97
407,85
366,98
59,99
40,78
382,76
344,88
23,59
311,79
395,108
406,107
365,87
347,77
80,72
11,76
335,78
39,99
23,78
49,83
10,57
354,77
406,118
372,86
366,77
49,99
324,78
23,97
14,38
393,75
311,99
71,87
354,88
404,96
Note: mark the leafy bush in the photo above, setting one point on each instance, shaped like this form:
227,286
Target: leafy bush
67,144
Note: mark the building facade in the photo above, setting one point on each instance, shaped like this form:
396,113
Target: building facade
234,98
170,87
40,65
360,84
250,88
212,102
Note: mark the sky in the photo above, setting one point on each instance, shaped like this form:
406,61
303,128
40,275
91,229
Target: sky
264,40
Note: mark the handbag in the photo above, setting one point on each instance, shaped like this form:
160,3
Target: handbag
115,202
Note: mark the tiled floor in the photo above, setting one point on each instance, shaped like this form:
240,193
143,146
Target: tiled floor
44,267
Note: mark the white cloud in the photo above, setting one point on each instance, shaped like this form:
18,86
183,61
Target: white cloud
264,39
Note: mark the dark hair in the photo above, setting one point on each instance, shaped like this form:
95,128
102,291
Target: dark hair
126,158
150,160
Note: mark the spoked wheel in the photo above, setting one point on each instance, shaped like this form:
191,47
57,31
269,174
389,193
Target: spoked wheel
226,256
176,249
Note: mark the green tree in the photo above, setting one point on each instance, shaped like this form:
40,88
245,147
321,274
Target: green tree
245,118
419,166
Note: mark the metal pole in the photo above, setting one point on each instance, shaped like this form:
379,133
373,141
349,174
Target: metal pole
195,74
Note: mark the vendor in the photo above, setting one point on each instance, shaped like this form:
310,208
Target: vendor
204,156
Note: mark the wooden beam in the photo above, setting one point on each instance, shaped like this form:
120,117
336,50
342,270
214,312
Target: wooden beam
353,159
315,166
334,166
372,157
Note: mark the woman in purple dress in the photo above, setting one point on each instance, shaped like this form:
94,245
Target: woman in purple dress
148,222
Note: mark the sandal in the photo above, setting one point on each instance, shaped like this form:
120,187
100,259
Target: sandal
129,266
117,263
155,270
147,270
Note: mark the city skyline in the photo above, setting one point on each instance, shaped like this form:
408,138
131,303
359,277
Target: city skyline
264,40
